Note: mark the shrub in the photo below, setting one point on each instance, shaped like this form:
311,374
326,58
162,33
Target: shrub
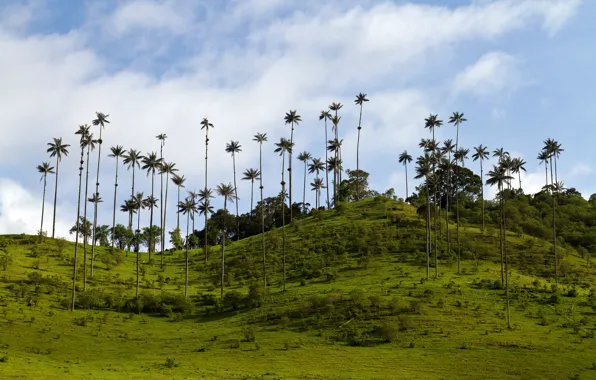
388,332
170,363
233,300
249,334
405,323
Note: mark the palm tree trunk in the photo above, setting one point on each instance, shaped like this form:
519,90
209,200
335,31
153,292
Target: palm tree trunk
252,197
283,218
95,203
114,214
407,192
206,208
457,200
85,232
546,172
447,210
161,222
43,206
304,191
358,155
290,167
178,214
236,196
138,245
506,263
55,198
223,248
427,231
436,234
555,159
76,250
165,209
502,239
555,238
186,268
151,240
326,171
132,194
262,215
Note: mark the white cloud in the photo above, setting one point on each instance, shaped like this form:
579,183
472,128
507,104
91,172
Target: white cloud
580,169
322,53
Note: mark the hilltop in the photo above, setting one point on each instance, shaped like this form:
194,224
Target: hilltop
357,299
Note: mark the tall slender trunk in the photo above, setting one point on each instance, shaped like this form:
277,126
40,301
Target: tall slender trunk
151,239
502,238
304,191
95,203
55,197
43,206
554,195
447,208
457,201
290,167
262,215
165,209
358,155
252,191
506,262
427,231
326,171
178,214
236,196
482,193
555,158
161,200
206,208
546,172
223,248
85,232
114,214
186,268
138,245
407,192
76,250
435,215
283,218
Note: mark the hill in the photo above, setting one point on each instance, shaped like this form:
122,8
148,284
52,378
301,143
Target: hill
357,305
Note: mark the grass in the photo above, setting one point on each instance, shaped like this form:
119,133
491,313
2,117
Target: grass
346,318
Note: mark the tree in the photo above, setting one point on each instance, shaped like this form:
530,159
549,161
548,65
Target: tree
552,149
205,124
461,154
151,203
457,119
304,157
57,149
543,157
360,100
251,175
260,138
100,121
151,163
498,176
139,205
335,107
167,168
481,154
291,118
335,161
518,165
95,200
227,192
132,159
129,208
234,147
188,207
178,180
88,142
162,141
283,146
424,170
317,185
205,208
405,159
45,168
117,152
326,115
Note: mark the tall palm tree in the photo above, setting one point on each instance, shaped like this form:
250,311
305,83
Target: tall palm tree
151,163
150,202
129,208
335,107
304,157
117,152
162,141
132,159
481,154
100,121
360,100
424,170
543,157
317,185
551,147
139,204
88,142
405,159
448,166
228,194
283,146
557,150
167,168
335,147
498,176
234,147
188,207
460,156
251,175
326,115
57,149
95,199
291,118
194,196
178,180
45,168
518,165
317,166
205,207
457,119
261,138
205,124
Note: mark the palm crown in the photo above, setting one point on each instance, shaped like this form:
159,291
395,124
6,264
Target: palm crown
58,148
45,168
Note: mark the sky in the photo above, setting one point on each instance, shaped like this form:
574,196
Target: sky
520,70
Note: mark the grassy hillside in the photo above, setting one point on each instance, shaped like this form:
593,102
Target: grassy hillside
357,307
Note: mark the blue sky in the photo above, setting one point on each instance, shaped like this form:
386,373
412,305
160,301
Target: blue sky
520,70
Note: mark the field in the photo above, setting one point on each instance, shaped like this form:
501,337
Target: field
349,312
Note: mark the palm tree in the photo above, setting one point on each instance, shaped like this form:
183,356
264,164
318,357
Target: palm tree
460,155
251,175
205,207
151,163
162,141
129,208
178,180
291,118
405,159
498,176
205,124
335,107
304,157
150,202
88,142
518,165
448,165
261,138
543,157
95,199
132,159
228,194
117,152
424,170
335,147
188,207
139,204
100,121
57,149
317,166
194,195
317,185
44,169
326,115
457,119
481,154
234,147
167,168
283,146
360,100
557,150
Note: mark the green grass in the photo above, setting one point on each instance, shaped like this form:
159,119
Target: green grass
325,326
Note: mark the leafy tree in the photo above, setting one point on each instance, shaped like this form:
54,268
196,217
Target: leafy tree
122,236
176,239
